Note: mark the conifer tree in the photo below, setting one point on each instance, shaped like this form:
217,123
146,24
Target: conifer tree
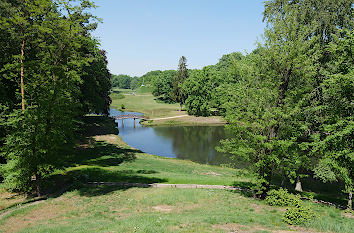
182,74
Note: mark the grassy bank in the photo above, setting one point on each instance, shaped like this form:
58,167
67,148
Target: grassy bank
141,100
105,157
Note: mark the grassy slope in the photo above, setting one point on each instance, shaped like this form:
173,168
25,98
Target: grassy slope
143,101
112,209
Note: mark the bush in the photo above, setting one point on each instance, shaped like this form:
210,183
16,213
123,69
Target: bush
122,106
281,197
299,214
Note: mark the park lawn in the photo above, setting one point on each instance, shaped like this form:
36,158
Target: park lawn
143,102
105,157
113,209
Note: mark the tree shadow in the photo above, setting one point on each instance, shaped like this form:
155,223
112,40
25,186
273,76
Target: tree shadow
83,179
99,125
100,154
313,188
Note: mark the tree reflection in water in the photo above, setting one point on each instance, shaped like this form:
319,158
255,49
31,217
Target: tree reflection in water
195,143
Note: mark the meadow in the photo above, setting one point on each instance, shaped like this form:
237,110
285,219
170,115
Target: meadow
104,157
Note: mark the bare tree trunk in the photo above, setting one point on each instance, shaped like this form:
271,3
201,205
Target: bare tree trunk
298,186
350,200
22,84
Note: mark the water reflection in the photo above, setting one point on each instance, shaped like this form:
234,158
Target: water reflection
196,143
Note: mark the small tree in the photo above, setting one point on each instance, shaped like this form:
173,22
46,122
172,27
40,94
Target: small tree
182,74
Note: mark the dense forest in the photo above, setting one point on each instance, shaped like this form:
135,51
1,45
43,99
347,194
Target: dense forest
289,103
52,73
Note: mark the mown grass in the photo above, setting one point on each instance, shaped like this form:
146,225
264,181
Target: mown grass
143,101
105,157
110,209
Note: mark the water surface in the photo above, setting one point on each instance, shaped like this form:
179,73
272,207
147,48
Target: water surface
195,143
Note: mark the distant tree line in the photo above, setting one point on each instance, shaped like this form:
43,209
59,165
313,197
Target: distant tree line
52,73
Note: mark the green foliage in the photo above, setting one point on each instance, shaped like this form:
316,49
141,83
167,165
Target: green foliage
296,213
178,94
122,106
121,81
334,140
65,77
162,85
135,83
279,98
200,89
299,214
282,197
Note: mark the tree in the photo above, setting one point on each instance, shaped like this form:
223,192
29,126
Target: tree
63,65
200,88
325,21
121,81
334,140
162,85
182,74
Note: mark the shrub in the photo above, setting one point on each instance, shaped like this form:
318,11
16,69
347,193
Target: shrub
281,197
122,106
299,214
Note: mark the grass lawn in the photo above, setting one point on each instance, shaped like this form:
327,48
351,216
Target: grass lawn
143,101
108,209
105,157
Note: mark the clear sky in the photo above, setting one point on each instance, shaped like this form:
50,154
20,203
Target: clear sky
144,35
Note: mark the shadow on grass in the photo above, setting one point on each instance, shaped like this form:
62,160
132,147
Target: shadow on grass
313,188
82,177
99,125
100,154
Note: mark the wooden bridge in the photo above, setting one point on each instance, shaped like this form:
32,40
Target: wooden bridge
130,116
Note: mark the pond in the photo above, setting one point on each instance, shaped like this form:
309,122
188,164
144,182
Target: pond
195,143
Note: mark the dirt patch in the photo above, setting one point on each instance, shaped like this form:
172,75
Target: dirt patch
234,227
163,208
348,215
189,120
17,223
41,213
8,199
211,174
110,138
257,208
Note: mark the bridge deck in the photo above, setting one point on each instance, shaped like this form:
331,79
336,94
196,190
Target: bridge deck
130,116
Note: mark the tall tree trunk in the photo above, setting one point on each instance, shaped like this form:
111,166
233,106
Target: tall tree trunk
22,83
298,186
350,200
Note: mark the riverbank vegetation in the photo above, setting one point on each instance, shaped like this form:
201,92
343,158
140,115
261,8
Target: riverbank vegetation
103,156
288,103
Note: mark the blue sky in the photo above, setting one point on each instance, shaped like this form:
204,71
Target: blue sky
144,35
